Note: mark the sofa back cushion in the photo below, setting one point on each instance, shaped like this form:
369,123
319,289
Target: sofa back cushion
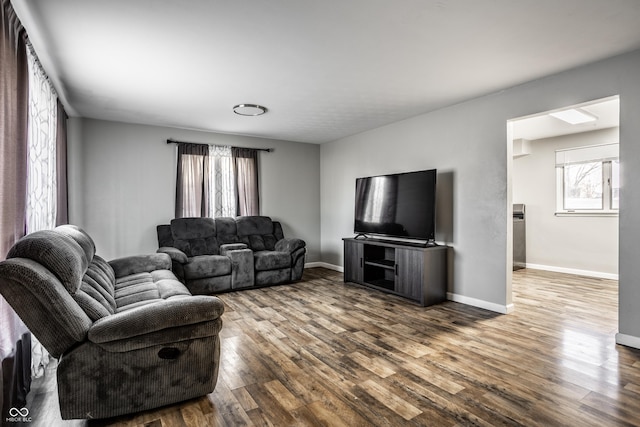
226,230
45,273
80,237
256,232
69,253
277,230
58,253
195,236
96,293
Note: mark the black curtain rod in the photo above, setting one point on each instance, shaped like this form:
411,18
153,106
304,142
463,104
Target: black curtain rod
173,141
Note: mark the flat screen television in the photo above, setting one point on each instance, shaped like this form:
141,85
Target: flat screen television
397,205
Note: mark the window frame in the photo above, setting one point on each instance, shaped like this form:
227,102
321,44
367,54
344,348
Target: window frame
607,184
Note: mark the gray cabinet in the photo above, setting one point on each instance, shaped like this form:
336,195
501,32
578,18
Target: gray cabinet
410,273
417,273
353,262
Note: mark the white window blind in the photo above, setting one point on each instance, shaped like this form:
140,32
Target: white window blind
587,154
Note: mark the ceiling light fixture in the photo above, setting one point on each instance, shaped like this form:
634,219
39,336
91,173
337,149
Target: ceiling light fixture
249,109
574,116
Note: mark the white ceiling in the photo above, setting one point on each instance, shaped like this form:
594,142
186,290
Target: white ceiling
324,69
539,126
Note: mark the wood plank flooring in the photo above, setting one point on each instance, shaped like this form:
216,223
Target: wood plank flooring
322,353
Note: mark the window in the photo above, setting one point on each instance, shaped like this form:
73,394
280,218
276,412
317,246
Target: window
221,182
588,180
214,181
41,159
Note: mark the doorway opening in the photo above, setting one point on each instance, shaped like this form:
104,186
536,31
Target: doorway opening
564,176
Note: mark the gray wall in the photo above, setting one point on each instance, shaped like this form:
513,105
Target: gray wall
587,243
122,183
119,201
471,165
467,143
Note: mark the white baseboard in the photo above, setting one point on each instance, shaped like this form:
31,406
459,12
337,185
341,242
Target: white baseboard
502,309
324,265
628,340
588,273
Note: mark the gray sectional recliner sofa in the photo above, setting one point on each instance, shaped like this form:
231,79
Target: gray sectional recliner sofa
129,336
216,255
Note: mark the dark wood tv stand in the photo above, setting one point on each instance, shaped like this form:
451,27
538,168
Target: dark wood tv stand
414,272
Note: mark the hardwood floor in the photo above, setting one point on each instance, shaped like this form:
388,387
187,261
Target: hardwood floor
320,352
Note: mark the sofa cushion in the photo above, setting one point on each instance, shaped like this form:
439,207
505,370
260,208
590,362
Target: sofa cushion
96,293
256,232
81,238
271,260
257,242
195,247
248,225
226,230
192,228
145,288
135,289
203,266
195,236
59,253
168,286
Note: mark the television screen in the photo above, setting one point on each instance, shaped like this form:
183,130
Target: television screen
399,205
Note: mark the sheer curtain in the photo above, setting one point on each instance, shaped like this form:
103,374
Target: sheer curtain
43,168
245,162
221,182
42,163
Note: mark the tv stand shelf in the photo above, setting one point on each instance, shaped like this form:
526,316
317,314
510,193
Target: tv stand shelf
382,284
415,272
383,263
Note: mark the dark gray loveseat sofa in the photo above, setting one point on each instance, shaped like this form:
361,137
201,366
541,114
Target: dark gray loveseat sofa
129,336
216,255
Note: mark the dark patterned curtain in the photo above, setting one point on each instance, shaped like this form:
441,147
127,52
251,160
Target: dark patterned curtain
192,183
62,203
15,352
245,169
14,99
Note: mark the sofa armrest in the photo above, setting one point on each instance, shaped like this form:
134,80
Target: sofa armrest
176,254
156,317
289,245
140,264
224,249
